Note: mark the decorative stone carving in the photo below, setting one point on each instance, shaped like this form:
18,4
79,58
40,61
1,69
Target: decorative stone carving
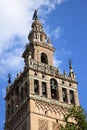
55,126
42,124
50,110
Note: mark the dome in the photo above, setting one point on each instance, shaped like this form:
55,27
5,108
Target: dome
36,22
37,33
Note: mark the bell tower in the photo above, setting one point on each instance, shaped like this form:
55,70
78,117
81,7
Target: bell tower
39,49
40,95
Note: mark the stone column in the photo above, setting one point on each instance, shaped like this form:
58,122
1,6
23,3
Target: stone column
60,93
31,85
76,98
35,54
38,56
40,88
48,90
68,96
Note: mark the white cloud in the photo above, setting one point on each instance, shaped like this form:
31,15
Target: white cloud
11,59
10,56
57,32
60,1
15,20
16,15
57,63
65,52
3,92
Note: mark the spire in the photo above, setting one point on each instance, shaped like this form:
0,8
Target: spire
70,65
37,37
71,72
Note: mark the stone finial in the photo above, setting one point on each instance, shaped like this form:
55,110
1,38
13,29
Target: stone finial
70,67
64,73
9,78
49,42
71,72
70,64
30,56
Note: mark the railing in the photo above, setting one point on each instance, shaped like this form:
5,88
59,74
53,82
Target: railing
51,70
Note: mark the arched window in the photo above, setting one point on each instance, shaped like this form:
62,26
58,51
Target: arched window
44,58
36,86
35,36
72,99
54,89
64,94
44,89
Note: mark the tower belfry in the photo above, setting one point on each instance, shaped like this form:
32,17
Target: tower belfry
40,95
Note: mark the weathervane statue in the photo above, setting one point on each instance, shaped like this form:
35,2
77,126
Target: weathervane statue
35,16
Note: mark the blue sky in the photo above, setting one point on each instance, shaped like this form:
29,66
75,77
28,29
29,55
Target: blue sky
64,21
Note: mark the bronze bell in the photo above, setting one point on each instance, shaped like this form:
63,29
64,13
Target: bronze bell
53,87
43,89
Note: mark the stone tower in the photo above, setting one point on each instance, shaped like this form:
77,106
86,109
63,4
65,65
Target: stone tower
40,95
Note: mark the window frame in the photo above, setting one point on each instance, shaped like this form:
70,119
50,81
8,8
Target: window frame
44,93
36,90
54,91
44,58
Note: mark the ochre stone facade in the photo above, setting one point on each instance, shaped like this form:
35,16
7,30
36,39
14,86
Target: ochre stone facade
40,95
